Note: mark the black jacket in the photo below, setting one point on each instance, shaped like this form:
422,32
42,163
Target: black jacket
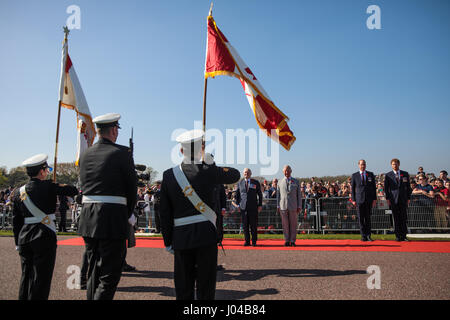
363,192
397,192
43,194
174,204
107,169
250,199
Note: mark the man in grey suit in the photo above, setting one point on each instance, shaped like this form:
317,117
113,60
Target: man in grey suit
289,205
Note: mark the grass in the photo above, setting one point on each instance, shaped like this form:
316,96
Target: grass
334,236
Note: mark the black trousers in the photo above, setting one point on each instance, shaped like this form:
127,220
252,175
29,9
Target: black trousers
219,226
157,220
250,225
364,211
63,220
196,268
84,268
105,260
38,261
399,211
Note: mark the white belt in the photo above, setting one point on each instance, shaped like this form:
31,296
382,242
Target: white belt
105,199
189,220
31,220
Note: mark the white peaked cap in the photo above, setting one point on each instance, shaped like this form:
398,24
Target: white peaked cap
35,160
190,137
106,119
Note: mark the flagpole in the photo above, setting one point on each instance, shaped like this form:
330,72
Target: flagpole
205,88
204,117
66,32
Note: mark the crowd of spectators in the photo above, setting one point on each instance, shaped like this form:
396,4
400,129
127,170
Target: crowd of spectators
425,186
5,196
423,183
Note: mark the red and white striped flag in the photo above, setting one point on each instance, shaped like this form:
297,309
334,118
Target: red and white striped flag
223,59
72,97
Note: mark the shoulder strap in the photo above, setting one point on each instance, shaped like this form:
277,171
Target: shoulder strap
190,193
35,211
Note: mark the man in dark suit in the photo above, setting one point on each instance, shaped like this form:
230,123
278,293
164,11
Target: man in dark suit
109,184
365,196
249,198
398,194
188,220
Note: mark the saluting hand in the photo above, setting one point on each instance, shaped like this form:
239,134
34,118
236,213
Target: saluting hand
259,209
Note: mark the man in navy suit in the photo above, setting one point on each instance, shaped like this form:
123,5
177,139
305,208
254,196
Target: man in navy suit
249,198
365,196
398,194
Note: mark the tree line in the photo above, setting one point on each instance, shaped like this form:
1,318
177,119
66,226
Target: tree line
67,173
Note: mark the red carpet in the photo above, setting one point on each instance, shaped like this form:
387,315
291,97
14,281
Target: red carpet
306,245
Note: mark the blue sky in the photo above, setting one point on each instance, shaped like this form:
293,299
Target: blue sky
350,92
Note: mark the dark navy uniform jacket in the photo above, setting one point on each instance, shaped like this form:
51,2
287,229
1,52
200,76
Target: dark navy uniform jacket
43,194
363,191
107,169
174,204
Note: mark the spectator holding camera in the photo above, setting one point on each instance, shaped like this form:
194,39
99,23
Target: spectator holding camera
440,210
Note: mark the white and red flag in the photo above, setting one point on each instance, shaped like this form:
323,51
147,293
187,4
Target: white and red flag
72,97
223,59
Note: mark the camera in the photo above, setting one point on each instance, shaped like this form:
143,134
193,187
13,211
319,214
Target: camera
143,178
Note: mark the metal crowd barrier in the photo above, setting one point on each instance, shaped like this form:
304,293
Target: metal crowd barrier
340,214
317,215
269,221
6,217
428,214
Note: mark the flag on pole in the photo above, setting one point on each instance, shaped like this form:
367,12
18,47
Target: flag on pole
223,59
72,97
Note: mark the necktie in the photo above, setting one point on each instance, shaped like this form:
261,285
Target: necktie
397,177
246,185
362,178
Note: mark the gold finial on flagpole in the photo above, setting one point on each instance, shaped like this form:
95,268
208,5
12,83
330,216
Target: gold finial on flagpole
66,32
210,9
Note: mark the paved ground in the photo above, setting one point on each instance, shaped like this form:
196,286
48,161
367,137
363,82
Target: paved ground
258,274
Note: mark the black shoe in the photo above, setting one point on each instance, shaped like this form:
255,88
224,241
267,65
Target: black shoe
128,268
363,239
398,239
246,244
287,244
220,268
254,245
369,239
406,239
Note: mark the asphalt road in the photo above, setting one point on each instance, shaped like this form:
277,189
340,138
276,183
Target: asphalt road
257,274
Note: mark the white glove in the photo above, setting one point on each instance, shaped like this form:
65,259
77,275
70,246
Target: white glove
169,249
132,220
17,248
